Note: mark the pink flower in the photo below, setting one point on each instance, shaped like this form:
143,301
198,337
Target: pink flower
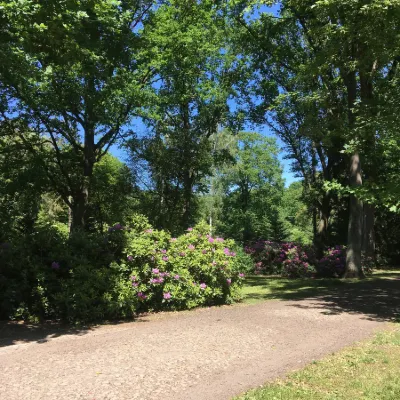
204,251
241,275
203,286
163,251
182,254
211,240
55,265
141,295
135,284
133,278
229,281
165,258
189,229
191,247
218,239
176,277
149,230
213,263
232,254
167,295
173,240
227,251
155,271
130,258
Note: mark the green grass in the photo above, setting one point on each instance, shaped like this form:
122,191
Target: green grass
260,288
367,371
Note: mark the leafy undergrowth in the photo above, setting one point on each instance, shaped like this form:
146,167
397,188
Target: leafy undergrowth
367,371
259,288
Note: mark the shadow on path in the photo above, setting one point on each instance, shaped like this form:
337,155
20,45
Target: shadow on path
20,332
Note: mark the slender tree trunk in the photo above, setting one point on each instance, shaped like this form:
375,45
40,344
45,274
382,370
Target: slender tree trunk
369,231
353,256
80,197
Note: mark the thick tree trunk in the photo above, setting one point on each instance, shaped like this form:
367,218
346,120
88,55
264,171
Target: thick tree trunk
354,240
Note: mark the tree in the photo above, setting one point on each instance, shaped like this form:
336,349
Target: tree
193,86
253,188
73,74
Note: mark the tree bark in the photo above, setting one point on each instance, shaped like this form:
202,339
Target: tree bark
369,231
353,256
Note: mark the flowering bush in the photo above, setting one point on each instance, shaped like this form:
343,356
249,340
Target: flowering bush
333,263
286,259
179,273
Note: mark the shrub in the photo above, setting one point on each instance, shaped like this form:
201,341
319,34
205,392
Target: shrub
179,273
285,259
333,263
88,277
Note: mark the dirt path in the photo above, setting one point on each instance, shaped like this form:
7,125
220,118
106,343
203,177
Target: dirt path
207,354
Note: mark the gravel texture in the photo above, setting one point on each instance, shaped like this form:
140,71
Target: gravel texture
206,354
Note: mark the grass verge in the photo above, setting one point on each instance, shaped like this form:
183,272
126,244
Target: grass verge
368,371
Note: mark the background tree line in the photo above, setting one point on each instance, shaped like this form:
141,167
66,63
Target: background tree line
78,77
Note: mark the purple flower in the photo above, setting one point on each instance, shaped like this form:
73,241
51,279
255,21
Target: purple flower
176,277
202,286
155,271
164,274
141,295
130,258
241,275
165,258
135,284
232,254
167,295
163,251
211,240
182,254
189,229
133,278
191,247
55,265
229,281
227,251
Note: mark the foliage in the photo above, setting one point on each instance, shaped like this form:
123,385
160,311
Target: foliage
253,187
285,259
86,277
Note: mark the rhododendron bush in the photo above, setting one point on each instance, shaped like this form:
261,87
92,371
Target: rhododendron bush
285,259
178,273
129,269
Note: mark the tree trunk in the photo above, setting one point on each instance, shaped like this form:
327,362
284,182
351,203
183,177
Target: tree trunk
354,240
369,231
321,234
80,197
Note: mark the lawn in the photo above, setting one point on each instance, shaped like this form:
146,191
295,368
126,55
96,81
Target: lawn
260,288
367,371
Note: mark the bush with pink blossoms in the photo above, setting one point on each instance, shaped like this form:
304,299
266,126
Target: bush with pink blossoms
191,270
285,259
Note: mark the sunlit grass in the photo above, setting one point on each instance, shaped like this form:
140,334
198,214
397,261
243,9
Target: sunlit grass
260,288
367,371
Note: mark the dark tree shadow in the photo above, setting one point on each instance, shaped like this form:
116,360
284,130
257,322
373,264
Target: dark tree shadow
17,332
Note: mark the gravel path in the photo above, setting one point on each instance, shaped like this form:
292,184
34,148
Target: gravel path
207,354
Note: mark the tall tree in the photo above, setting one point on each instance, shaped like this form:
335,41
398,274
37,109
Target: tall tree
74,72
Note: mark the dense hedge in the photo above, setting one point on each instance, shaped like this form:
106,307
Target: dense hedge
133,268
